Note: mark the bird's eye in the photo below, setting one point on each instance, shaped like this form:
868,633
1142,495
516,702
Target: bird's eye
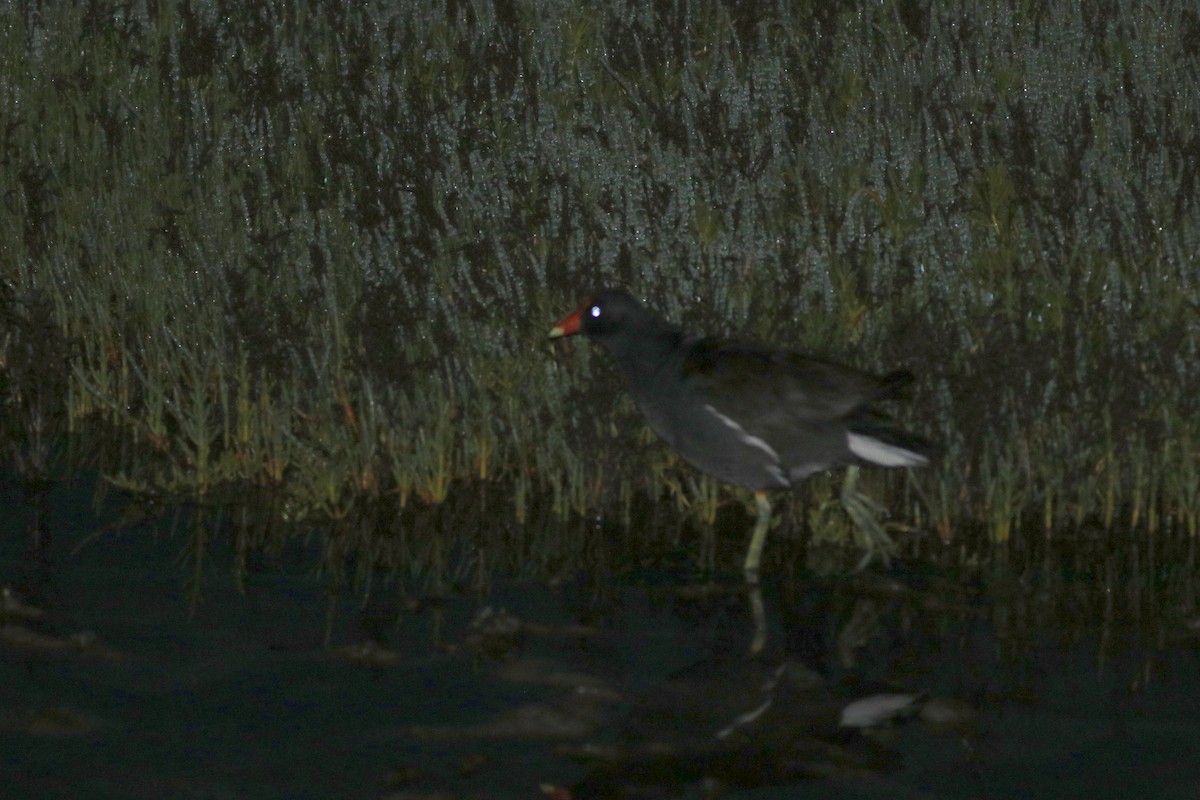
595,311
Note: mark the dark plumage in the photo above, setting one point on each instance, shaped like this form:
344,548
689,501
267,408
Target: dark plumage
746,414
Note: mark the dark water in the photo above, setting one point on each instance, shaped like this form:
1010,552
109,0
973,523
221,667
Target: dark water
242,700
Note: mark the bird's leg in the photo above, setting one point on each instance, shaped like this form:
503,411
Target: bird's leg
865,513
759,614
759,537
753,558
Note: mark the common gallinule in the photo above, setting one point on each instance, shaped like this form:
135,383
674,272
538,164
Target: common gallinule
746,722
748,415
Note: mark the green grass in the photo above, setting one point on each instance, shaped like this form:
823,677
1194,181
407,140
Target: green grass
312,250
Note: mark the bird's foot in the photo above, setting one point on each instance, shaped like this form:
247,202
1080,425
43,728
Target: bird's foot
865,513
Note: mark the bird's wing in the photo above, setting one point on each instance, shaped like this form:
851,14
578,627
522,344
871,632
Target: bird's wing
751,383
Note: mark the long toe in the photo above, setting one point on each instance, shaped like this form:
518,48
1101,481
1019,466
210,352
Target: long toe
865,513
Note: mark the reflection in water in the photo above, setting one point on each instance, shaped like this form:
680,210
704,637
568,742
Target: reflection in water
743,722
1064,669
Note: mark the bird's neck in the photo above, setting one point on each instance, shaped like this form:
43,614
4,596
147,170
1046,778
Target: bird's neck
654,351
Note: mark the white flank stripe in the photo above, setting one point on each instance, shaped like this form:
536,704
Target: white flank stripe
745,719
883,454
750,716
746,438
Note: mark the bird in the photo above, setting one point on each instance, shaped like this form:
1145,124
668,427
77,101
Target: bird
749,415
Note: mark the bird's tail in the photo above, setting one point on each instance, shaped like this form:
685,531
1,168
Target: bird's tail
875,443
895,385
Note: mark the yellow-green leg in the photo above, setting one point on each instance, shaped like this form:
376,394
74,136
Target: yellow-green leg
759,537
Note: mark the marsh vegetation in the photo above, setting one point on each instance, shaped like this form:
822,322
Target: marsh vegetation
304,254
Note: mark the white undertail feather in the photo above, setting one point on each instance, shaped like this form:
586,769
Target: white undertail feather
882,454
868,712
